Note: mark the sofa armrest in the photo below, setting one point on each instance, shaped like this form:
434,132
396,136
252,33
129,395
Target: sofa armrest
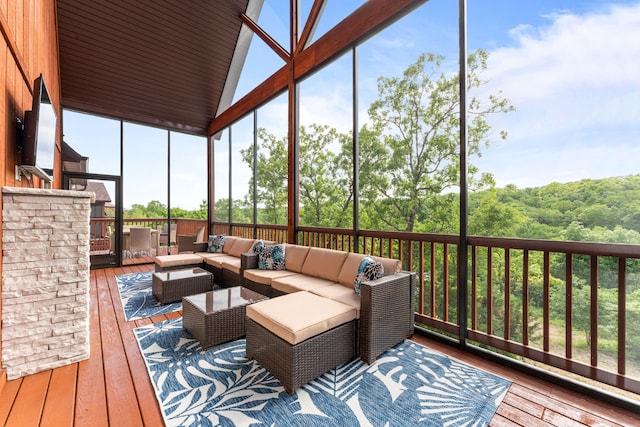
248,261
386,313
200,246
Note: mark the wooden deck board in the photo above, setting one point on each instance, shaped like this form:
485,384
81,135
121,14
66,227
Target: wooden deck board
59,406
112,387
28,405
91,397
121,396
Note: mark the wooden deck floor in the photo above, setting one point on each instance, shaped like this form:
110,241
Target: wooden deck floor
113,388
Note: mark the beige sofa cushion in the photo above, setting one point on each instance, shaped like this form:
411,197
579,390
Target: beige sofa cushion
265,277
341,294
349,269
231,265
217,261
241,246
299,316
294,257
165,261
299,282
228,243
207,255
324,263
391,266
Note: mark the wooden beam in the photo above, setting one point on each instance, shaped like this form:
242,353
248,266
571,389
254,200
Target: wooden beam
365,21
265,91
282,53
312,23
369,18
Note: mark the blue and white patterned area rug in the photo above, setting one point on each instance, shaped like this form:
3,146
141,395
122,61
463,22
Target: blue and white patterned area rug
137,297
409,385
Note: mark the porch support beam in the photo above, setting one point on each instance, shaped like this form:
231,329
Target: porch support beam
365,21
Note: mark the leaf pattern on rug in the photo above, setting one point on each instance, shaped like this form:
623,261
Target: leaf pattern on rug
137,297
408,385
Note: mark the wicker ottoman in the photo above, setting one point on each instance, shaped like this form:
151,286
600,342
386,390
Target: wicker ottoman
300,336
171,286
218,316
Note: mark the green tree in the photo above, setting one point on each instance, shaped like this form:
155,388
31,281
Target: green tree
271,177
326,183
417,114
494,218
154,209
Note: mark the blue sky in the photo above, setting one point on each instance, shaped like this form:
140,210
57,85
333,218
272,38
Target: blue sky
571,69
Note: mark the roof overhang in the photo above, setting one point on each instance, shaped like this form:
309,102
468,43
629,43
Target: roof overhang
170,64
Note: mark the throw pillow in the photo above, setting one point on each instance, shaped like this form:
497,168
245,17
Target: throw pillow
216,243
369,269
271,257
258,247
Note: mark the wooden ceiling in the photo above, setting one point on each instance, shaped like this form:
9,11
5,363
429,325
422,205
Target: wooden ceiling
166,63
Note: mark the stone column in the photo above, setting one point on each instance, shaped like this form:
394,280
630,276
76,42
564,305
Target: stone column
45,279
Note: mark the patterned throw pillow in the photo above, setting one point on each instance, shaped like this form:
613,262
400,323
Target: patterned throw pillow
258,247
271,257
216,243
369,269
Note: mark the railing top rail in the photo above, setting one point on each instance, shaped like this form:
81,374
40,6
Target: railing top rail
620,250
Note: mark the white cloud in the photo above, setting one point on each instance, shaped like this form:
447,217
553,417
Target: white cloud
579,76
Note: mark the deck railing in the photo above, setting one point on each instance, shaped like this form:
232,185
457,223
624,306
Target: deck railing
557,303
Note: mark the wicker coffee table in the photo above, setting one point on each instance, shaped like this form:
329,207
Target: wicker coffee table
218,316
171,286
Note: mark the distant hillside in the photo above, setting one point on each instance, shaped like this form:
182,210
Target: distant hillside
602,210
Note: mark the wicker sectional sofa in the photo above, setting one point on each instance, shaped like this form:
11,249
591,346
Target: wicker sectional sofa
384,308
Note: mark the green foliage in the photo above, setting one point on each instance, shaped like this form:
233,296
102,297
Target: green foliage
156,209
417,124
326,177
271,176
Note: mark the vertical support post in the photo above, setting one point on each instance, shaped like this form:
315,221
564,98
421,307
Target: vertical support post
356,152
255,173
230,212
169,189
462,247
210,182
293,152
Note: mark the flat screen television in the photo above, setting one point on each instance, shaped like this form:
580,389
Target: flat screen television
39,142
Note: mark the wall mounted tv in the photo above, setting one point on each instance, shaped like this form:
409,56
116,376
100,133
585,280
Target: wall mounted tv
39,142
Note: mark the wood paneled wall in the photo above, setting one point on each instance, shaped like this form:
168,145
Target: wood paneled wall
28,47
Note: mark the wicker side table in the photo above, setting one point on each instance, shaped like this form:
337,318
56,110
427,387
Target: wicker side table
171,286
218,316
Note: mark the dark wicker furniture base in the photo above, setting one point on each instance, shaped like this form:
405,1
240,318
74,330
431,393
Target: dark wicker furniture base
171,286
217,273
160,269
296,365
218,316
258,287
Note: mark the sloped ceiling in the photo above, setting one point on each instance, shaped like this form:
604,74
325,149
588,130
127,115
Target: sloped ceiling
166,63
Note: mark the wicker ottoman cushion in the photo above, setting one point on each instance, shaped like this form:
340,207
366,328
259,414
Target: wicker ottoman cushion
299,316
341,294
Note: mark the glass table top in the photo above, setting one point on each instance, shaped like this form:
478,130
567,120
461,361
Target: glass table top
224,299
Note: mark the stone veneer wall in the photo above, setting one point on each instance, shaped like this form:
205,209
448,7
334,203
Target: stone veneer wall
45,279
